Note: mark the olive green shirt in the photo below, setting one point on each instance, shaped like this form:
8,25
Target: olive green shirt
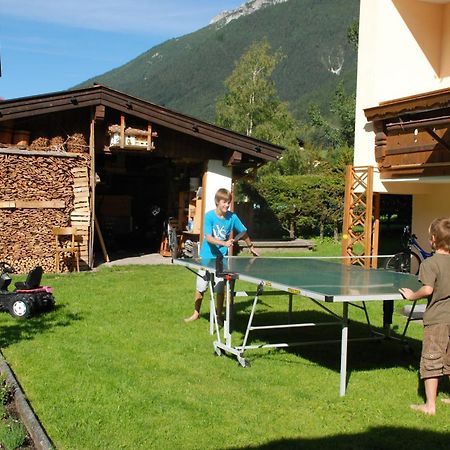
435,272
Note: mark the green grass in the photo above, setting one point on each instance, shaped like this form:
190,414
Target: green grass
115,366
12,434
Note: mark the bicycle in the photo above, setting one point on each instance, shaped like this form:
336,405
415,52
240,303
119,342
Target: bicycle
411,257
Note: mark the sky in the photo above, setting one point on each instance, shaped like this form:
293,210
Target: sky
52,45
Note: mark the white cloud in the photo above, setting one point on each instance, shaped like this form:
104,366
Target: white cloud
135,16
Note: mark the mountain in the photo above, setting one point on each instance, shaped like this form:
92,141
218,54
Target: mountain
187,74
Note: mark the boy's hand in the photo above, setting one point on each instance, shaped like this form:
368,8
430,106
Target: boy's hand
253,251
407,293
228,243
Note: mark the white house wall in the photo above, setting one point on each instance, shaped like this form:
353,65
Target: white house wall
404,49
217,177
435,204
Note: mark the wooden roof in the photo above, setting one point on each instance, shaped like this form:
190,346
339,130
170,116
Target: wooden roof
26,107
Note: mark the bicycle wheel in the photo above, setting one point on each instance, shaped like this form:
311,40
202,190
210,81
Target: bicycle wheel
414,263
173,241
407,262
400,262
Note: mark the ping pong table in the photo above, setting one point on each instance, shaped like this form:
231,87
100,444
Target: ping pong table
322,281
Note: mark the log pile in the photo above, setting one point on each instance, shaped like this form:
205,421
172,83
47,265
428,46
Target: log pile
75,143
40,144
36,194
80,217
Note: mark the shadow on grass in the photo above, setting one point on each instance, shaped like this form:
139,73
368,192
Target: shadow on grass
361,355
16,330
376,438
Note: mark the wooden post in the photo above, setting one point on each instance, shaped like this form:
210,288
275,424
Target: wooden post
100,239
368,219
375,227
92,199
358,215
122,131
149,137
346,237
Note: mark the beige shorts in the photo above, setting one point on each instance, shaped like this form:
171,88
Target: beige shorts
435,359
202,285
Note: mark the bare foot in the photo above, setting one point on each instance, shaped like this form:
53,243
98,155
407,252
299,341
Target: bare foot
445,400
195,316
423,408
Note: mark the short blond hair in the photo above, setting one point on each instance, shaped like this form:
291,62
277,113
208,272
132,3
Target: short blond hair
222,194
440,231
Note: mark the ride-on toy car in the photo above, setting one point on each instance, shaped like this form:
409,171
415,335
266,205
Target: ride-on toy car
29,297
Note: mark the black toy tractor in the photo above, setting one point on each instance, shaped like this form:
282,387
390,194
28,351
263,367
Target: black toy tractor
28,298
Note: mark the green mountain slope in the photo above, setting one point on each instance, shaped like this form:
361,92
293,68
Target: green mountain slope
187,73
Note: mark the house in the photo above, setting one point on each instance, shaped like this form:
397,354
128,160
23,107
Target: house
112,165
403,103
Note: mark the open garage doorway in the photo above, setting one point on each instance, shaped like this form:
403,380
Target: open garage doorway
135,194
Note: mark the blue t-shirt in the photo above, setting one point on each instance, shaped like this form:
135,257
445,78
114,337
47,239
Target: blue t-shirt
219,228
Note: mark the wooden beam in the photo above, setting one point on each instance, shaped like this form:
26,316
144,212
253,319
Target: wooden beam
99,114
21,152
438,138
33,204
234,158
7,205
149,137
122,131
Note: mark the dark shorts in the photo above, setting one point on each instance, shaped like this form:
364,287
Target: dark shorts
435,359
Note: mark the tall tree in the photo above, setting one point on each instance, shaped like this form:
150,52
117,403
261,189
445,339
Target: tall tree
338,130
251,105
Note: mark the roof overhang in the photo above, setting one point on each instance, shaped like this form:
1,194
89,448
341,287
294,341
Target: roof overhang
27,107
415,104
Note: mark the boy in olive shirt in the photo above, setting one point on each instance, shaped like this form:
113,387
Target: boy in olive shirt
435,276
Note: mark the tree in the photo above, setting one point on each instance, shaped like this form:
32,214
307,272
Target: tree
339,130
304,204
251,105
353,34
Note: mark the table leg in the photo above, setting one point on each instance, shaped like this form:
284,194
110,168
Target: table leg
226,325
344,344
290,309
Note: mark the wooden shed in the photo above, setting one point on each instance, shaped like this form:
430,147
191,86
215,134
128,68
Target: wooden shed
114,166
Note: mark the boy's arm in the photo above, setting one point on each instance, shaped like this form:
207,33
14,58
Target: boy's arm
423,292
240,228
212,240
250,245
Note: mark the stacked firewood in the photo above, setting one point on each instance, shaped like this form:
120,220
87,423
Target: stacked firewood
26,232
40,143
76,143
57,144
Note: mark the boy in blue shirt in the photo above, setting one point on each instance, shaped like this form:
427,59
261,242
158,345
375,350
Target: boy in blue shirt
218,226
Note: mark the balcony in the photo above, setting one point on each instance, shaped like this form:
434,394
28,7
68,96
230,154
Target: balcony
412,136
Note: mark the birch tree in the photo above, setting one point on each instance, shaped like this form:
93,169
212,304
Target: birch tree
250,100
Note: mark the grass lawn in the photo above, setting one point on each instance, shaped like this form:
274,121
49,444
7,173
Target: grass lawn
115,367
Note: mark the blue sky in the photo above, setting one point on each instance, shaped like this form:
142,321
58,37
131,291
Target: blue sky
52,45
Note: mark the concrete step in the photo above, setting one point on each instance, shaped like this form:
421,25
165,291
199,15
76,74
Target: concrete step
417,314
